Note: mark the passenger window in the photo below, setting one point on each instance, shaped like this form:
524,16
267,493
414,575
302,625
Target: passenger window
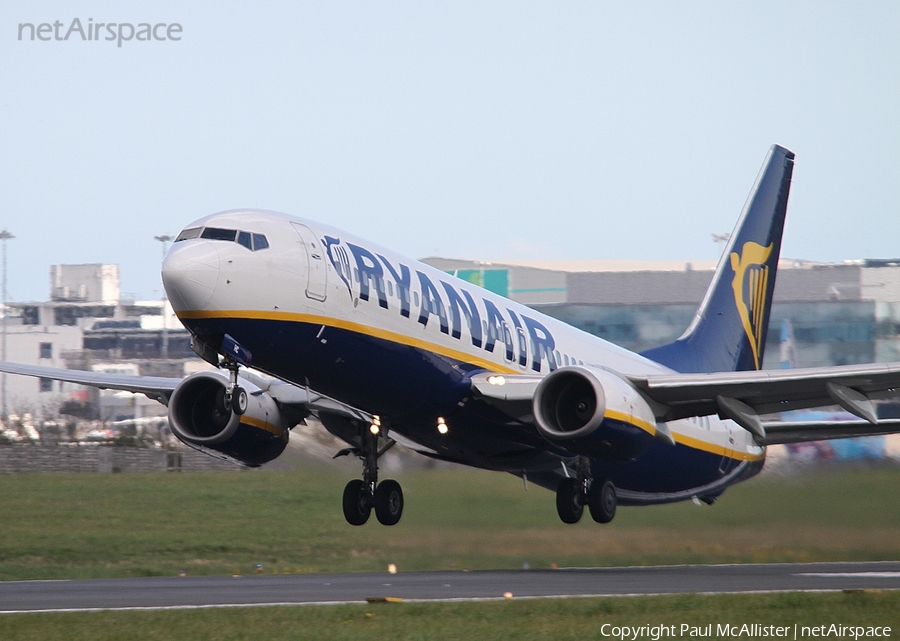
415,299
356,274
390,288
193,232
260,242
566,358
244,239
507,342
214,233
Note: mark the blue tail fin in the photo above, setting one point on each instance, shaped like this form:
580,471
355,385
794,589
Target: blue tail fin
728,332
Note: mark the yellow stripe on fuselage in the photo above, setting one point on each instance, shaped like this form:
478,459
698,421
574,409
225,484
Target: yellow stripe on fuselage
687,441
712,448
366,330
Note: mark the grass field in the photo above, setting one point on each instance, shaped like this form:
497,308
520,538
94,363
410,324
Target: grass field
575,619
88,525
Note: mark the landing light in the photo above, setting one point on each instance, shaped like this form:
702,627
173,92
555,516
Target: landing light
375,427
441,425
496,380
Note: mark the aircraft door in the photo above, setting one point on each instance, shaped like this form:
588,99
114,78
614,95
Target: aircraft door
316,274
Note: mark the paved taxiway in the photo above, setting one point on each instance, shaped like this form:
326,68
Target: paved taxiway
19,596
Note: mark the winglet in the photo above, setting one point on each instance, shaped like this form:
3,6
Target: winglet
728,332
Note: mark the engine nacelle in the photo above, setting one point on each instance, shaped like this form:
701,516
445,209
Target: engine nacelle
593,412
198,418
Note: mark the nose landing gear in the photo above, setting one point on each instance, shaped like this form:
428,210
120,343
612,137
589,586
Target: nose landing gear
574,493
235,397
233,356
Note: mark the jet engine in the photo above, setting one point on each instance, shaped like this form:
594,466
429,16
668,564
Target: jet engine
199,418
592,412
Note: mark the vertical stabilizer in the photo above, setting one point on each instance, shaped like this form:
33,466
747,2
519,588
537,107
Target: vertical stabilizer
728,332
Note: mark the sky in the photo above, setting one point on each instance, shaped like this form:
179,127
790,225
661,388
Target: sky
485,130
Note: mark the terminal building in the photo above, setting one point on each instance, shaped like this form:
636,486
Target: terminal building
841,314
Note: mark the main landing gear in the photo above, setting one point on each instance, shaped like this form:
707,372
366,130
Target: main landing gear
360,496
574,493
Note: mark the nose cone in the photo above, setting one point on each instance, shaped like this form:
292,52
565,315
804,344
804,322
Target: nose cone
190,273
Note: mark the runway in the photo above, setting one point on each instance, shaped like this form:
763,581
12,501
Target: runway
193,592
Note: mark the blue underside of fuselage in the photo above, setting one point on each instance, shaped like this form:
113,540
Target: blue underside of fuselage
410,387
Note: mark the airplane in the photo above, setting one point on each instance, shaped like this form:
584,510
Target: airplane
302,319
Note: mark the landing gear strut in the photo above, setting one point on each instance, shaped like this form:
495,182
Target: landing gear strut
235,396
574,493
360,496
233,356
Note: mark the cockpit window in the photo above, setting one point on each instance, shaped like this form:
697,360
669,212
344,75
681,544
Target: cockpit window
193,232
259,242
253,242
215,233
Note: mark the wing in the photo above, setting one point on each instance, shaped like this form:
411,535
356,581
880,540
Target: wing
769,391
161,388
156,387
742,397
253,437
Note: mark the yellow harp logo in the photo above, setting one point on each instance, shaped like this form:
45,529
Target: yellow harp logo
751,279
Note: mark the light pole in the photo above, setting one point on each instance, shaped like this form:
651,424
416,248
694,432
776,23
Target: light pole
164,240
4,236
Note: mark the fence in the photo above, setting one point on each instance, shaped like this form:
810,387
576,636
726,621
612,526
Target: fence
16,459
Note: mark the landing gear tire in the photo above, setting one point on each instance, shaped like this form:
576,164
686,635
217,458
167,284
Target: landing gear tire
222,410
357,502
601,498
569,505
239,400
388,502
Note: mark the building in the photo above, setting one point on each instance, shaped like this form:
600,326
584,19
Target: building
86,325
841,313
